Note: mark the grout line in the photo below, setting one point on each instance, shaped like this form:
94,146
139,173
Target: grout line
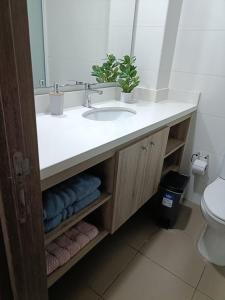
101,295
94,291
118,275
193,294
131,246
205,294
198,283
198,74
110,284
184,28
146,240
201,277
158,264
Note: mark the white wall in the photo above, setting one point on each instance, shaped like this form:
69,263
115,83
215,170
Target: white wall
151,19
156,32
199,64
169,42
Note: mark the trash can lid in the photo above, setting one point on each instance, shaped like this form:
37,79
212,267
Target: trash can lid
174,182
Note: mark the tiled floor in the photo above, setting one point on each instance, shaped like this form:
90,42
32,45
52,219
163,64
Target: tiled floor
144,262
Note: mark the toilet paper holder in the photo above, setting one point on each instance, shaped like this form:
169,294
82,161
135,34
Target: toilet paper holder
200,156
200,164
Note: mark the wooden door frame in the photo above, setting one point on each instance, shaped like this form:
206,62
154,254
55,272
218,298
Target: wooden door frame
5,286
20,198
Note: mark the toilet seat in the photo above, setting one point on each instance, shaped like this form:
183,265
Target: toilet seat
214,200
211,243
211,219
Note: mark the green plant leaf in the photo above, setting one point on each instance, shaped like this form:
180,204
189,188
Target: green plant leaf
108,71
128,77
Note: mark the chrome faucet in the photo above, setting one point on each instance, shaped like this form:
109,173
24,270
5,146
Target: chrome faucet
88,92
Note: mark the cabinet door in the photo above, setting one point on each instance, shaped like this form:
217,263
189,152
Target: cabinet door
154,163
131,162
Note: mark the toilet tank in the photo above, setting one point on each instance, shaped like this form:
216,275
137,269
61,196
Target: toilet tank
222,172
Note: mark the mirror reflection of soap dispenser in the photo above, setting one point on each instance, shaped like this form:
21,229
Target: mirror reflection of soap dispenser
56,101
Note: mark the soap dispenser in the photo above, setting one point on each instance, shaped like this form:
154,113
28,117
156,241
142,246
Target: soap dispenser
56,101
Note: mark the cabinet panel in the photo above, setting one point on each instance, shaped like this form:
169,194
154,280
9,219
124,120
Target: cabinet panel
131,162
153,165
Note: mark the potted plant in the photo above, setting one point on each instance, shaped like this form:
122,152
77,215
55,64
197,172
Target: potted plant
128,78
108,71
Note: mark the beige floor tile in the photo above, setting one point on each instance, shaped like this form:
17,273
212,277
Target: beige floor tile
145,280
190,220
137,230
75,294
200,296
71,287
176,251
213,282
105,263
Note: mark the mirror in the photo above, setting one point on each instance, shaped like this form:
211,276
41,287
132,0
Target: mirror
68,37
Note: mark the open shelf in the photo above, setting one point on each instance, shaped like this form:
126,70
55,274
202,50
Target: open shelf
170,168
52,278
173,145
64,226
172,161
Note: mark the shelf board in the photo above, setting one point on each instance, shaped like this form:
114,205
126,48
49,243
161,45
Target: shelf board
57,274
170,168
67,224
173,145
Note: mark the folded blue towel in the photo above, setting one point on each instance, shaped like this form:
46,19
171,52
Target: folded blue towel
83,185
67,194
67,212
55,200
58,199
86,201
52,204
78,205
52,223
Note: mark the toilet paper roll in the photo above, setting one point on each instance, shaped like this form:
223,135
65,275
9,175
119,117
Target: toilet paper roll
199,167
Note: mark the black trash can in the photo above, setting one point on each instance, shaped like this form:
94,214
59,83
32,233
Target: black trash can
172,188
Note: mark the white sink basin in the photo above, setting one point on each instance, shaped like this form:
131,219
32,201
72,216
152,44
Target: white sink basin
109,113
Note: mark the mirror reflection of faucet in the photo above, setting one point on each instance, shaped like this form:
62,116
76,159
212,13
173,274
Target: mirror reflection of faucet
88,91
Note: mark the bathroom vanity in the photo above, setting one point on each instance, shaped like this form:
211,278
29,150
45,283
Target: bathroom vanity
129,155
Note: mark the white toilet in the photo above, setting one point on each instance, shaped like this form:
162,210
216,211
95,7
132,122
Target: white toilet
212,241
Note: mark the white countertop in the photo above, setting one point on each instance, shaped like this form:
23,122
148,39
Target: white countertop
66,141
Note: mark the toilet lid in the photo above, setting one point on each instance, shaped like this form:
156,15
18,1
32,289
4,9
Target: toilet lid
214,197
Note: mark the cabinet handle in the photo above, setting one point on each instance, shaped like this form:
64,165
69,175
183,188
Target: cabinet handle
144,148
152,144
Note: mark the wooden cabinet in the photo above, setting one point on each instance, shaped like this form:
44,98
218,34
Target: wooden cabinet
131,161
153,165
138,175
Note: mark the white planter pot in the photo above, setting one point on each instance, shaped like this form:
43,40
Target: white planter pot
56,103
127,97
